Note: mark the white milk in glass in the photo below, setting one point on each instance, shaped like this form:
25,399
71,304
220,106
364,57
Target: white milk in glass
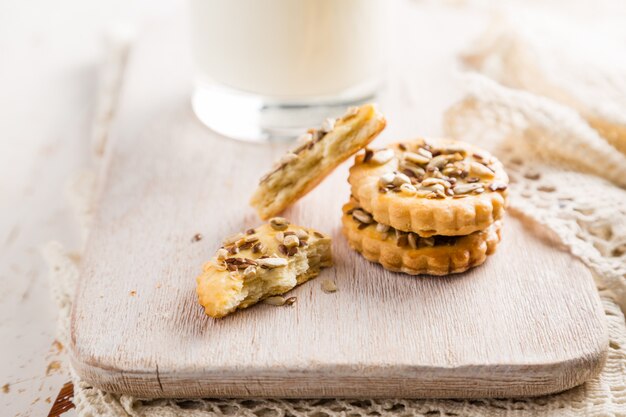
268,67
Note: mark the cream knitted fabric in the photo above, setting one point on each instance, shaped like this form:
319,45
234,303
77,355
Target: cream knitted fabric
577,61
560,169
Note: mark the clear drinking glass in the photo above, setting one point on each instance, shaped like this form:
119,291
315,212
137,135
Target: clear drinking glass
268,68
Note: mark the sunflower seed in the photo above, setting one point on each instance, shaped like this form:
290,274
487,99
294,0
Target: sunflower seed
249,272
221,254
428,241
438,161
273,262
232,239
251,239
246,246
362,216
408,189
500,186
329,286
233,250
240,242
382,156
433,188
387,179
468,188
302,234
416,158
480,170
434,181
291,241
382,228
412,239
452,148
290,301
280,236
417,171
279,223
328,125
401,239
425,153
400,179
276,300
352,111
257,248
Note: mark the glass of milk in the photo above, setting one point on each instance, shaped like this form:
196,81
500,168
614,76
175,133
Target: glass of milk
269,68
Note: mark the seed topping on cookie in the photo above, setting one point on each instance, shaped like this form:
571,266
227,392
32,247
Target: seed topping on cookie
401,239
434,171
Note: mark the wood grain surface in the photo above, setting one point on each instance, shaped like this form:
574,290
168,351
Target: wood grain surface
528,322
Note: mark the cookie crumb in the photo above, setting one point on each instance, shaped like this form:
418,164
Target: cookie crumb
58,346
6,388
329,286
132,293
291,300
196,238
53,367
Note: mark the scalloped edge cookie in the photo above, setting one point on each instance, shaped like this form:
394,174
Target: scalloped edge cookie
263,262
414,257
319,152
429,211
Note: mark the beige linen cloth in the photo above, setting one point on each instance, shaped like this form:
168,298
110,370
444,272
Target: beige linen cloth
559,138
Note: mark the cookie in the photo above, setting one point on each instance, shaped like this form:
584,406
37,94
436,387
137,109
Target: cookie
262,262
317,154
431,187
412,254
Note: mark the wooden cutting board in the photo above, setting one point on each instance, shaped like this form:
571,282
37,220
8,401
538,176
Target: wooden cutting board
528,322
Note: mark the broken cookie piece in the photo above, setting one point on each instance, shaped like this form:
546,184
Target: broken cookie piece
263,262
317,154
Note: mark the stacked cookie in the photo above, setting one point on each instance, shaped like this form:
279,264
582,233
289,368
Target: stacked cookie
426,206
421,206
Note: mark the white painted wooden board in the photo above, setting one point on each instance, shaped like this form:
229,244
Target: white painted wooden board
528,322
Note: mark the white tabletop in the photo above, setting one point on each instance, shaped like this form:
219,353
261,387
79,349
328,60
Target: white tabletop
49,57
